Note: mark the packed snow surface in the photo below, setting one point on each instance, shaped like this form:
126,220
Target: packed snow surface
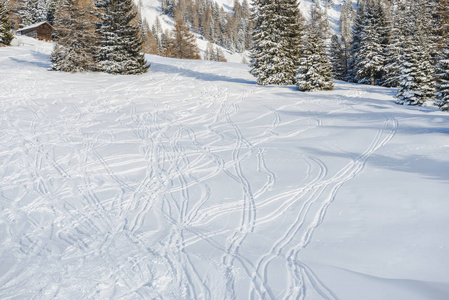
192,182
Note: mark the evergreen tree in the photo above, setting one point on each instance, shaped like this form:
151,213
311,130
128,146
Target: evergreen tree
370,59
41,11
74,38
182,43
29,12
424,12
347,17
163,42
373,38
214,53
120,46
420,21
442,72
294,30
276,37
314,71
383,25
6,35
394,50
408,91
34,11
355,42
209,53
442,22
337,59
416,85
158,34
157,27
219,55
51,11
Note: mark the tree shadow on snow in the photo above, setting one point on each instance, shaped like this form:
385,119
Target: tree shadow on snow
165,68
41,60
415,164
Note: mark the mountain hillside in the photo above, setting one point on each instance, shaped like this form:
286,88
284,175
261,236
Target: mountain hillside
152,9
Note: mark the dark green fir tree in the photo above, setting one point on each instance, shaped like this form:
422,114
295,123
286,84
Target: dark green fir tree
337,58
119,47
314,71
442,73
276,39
6,35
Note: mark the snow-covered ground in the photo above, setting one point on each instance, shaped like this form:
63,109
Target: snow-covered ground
192,182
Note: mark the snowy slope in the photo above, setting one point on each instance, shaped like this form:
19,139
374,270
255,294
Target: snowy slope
152,9
192,182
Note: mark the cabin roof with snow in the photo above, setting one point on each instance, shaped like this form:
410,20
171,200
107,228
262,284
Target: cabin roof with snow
41,31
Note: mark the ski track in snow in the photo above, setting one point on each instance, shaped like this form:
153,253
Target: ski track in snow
144,187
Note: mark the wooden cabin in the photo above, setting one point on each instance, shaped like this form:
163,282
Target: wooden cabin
41,31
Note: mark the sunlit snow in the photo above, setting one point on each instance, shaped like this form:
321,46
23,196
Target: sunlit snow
192,182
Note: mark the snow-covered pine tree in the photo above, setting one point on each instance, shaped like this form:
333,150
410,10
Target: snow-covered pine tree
427,23
416,82
241,15
6,35
257,35
163,41
357,31
34,11
182,42
220,55
337,58
209,52
41,11
347,17
425,39
442,73
276,37
158,35
119,50
383,25
408,91
51,10
369,60
74,38
29,12
314,71
214,53
393,63
442,67
294,29
442,22
157,27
